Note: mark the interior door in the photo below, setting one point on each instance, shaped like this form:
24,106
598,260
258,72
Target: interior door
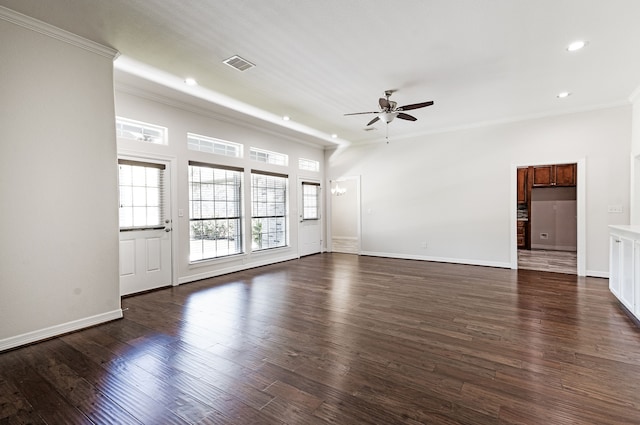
145,225
310,228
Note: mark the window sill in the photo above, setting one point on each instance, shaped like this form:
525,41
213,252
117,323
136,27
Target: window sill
244,257
220,260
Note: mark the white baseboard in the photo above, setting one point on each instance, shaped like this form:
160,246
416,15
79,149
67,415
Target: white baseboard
63,328
596,273
590,273
439,259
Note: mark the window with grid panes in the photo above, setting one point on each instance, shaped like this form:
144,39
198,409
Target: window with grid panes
196,142
268,210
215,205
141,131
268,157
141,191
310,201
308,164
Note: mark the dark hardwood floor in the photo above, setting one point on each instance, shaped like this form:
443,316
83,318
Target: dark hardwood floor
342,339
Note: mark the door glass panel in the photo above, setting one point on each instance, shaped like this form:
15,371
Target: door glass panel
140,187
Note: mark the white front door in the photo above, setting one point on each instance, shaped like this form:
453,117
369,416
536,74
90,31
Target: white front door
310,228
145,225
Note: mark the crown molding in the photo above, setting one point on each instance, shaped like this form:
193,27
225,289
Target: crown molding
57,33
231,118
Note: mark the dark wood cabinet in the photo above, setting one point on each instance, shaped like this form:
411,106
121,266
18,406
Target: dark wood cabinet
554,175
521,233
522,185
565,175
542,175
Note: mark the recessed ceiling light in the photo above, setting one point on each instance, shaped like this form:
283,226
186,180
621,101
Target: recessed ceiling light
563,94
334,136
576,45
286,118
190,81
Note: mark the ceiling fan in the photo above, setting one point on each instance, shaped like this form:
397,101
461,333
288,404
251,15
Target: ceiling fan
390,109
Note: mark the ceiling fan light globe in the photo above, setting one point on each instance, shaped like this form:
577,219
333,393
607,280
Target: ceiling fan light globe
387,117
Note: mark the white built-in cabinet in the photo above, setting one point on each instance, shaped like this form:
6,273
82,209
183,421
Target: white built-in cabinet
624,266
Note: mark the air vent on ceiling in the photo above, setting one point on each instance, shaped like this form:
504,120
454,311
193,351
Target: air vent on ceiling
238,63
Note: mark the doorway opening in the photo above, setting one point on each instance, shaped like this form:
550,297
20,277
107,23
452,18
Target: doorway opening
344,204
547,218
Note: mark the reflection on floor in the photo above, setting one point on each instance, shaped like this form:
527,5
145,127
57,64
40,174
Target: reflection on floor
550,261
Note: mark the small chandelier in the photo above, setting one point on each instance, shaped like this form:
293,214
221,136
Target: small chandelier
338,191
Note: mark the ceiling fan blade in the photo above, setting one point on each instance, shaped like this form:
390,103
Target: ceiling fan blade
361,113
415,106
372,121
384,103
407,117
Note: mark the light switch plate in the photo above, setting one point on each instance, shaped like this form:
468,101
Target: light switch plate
614,208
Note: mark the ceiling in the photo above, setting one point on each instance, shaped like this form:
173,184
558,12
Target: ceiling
480,61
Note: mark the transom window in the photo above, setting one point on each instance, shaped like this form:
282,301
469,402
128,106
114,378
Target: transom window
196,142
141,187
268,157
137,130
308,164
310,201
215,194
268,210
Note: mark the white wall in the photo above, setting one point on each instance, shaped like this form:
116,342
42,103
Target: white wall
182,118
58,225
635,159
454,190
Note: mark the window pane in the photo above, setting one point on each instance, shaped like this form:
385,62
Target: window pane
215,146
153,197
269,157
269,210
126,216
126,196
135,130
152,177
310,201
139,216
215,227
140,195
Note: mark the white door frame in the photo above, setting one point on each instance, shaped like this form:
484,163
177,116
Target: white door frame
581,205
172,186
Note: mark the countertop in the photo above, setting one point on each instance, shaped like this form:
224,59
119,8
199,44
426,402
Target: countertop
625,228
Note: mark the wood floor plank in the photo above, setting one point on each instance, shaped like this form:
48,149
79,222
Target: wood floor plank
41,395
343,339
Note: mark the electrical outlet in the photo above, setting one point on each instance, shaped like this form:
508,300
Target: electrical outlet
544,236
423,245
